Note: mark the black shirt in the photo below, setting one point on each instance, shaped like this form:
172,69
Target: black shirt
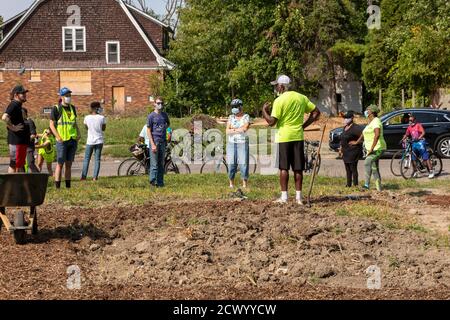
351,153
14,111
31,127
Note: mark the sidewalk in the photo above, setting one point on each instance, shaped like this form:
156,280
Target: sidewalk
330,167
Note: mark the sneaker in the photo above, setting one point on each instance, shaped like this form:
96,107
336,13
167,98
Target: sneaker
280,201
299,202
431,175
415,174
365,187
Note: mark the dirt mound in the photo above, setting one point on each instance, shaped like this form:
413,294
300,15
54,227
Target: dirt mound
243,243
208,122
220,249
438,200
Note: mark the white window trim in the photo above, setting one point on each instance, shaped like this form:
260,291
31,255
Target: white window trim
74,38
118,52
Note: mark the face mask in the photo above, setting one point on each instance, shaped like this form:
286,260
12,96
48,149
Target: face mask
67,100
235,110
159,106
348,121
366,113
99,110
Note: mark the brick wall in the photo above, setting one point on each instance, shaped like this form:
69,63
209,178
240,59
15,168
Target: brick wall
45,92
38,42
153,31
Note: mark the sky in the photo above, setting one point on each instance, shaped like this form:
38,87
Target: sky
9,8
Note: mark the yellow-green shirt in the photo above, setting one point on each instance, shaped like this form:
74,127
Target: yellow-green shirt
369,135
289,109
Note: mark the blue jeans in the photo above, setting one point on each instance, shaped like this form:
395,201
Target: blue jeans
156,171
238,154
97,149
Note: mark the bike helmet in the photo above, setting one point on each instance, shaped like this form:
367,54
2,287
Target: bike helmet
236,103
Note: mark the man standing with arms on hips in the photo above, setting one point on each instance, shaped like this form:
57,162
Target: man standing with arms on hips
288,116
63,123
18,134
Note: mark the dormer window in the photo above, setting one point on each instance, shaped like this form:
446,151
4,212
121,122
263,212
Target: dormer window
74,39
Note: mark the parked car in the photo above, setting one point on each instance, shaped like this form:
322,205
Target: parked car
435,122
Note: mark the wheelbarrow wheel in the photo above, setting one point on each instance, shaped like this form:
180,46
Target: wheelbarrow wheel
19,235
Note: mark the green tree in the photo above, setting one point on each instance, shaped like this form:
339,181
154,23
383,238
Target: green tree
411,51
234,48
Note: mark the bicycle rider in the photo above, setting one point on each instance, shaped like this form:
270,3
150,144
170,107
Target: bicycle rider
419,146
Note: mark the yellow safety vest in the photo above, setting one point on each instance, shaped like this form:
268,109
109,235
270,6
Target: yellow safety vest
66,125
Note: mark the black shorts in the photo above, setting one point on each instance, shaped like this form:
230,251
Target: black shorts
291,155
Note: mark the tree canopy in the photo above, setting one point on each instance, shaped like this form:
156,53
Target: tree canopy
411,51
230,48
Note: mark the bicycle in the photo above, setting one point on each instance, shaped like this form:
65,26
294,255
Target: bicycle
140,163
221,165
312,156
409,159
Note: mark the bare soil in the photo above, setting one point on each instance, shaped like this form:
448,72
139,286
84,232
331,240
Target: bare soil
222,250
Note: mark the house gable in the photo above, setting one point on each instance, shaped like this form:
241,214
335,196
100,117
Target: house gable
37,41
8,25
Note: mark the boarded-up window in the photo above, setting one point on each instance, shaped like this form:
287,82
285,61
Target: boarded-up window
35,76
79,82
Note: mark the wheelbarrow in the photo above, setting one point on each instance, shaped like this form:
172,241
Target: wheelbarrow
21,190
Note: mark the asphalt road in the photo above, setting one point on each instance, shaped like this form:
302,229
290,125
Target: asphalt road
330,167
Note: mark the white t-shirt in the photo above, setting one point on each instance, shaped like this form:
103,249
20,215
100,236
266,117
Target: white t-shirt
144,135
95,132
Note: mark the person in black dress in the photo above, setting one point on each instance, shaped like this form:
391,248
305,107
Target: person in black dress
350,154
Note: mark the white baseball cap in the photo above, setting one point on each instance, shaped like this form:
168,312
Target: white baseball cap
281,80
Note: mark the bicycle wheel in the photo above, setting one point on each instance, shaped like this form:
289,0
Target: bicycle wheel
214,166
124,165
136,169
252,164
406,167
436,164
396,162
176,167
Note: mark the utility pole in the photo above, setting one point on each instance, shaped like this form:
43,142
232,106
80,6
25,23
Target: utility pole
403,98
379,100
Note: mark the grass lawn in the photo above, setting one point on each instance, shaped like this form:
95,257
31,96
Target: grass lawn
120,134
136,190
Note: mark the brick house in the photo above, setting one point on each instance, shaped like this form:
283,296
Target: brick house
106,51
